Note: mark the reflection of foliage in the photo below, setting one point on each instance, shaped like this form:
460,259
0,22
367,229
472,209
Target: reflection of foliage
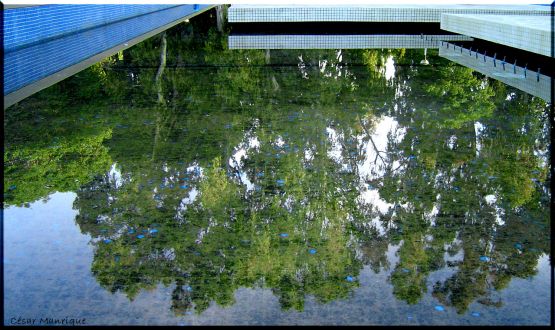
464,97
231,180
59,154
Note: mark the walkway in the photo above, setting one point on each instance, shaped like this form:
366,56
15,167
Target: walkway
46,44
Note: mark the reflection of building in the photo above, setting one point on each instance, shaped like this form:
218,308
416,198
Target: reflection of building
528,81
339,41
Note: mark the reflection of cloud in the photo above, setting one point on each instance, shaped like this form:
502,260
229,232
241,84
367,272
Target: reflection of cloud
389,69
372,166
478,128
499,212
115,176
334,151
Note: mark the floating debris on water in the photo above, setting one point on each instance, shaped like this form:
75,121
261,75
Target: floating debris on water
439,308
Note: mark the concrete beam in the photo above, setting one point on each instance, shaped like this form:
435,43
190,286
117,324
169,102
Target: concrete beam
530,82
339,41
370,13
530,33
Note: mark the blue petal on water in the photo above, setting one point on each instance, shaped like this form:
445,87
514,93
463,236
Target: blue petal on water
107,241
284,235
312,251
439,308
183,186
349,278
518,246
484,258
475,314
140,236
152,231
280,182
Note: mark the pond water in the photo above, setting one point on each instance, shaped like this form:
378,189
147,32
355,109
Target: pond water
281,187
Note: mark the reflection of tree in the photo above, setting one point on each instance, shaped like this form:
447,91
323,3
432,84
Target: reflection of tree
288,215
449,165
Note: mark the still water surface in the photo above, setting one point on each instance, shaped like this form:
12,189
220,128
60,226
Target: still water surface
282,187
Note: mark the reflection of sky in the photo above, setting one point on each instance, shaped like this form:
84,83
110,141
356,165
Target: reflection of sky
61,257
